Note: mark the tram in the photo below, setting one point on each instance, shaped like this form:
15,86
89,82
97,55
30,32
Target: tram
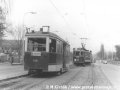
46,52
82,56
88,57
78,57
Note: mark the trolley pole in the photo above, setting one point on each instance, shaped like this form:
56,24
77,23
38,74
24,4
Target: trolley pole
82,43
24,31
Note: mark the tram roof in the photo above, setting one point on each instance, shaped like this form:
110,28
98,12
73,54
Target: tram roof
50,34
82,50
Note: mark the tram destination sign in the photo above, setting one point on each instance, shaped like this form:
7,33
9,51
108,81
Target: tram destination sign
36,53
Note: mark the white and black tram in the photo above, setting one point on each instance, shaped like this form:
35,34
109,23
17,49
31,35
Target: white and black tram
46,52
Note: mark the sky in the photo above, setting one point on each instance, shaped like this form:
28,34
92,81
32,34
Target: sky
96,20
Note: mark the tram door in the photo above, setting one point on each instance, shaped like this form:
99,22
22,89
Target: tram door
64,56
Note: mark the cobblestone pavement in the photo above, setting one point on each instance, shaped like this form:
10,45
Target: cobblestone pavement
89,77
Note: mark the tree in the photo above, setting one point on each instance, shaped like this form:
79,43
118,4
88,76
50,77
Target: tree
2,24
110,55
17,33
101,54
102,51
118,51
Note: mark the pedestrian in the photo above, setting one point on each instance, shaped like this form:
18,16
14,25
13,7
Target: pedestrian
11,58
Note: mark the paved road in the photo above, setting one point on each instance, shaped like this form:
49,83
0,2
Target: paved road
113,73
90,77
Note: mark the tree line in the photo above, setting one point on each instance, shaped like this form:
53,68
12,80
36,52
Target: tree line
102,54
7,29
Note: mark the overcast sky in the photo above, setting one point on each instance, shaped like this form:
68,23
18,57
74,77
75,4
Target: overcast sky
97,20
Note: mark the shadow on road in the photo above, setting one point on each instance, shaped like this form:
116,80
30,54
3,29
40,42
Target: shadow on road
44,75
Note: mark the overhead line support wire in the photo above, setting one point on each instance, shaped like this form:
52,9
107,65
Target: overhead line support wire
59,13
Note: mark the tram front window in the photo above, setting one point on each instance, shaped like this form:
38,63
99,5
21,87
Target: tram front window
36,44
77,53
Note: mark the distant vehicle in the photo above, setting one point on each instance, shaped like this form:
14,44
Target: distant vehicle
46,52
104,61
82,56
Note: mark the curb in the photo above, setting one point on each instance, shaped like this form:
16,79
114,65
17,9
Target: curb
15,77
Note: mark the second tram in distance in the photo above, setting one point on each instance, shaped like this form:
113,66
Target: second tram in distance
82,56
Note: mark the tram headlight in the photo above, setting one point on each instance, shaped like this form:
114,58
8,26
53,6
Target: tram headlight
75,60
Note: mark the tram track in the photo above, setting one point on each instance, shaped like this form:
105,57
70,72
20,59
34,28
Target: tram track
76,74
61,80
89,82
10,82
96,80
12,78
73,77
26,83
108,82
86,77
15,82
35,84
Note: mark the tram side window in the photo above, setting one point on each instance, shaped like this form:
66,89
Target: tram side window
82,53
68,50
36,44
58,47
61,47
52,45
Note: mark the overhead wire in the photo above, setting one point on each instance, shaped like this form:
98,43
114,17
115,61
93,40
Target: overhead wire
60,13
84,14
63,16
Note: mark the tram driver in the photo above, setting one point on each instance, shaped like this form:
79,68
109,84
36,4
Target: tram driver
52,45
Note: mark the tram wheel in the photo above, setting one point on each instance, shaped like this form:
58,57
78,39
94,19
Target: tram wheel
83,65
60,72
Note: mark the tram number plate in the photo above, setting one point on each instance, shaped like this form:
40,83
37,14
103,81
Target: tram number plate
36,53
35,60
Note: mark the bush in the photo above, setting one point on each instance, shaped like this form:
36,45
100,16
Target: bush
4,57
